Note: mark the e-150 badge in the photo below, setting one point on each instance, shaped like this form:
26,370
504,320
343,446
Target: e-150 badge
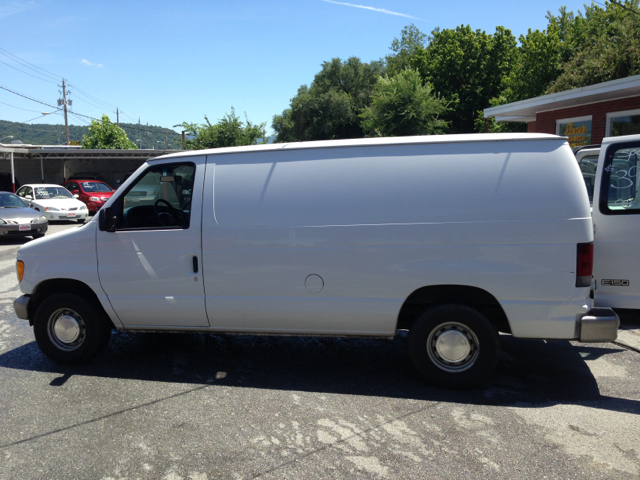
614,282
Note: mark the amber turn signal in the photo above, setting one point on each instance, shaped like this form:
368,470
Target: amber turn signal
20,268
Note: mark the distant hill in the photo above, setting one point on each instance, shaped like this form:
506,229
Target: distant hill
45,134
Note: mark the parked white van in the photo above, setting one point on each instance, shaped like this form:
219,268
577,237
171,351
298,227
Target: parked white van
454,238
616,218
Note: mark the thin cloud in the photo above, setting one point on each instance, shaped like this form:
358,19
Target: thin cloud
12,8
381,10
87,62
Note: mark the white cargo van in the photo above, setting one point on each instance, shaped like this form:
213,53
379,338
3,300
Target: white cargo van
454,238
616,218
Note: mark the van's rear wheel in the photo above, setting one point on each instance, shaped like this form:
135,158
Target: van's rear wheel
454,346
70,329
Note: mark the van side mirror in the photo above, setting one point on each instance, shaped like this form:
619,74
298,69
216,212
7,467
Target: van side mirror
107,220
28,197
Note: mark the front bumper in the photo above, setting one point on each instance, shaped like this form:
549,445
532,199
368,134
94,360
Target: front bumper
66,215
14,230
94,206
599,325
21,306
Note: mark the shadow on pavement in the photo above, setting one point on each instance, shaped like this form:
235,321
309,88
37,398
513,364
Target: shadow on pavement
531,373
11,240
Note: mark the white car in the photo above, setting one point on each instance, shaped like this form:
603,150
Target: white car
54,202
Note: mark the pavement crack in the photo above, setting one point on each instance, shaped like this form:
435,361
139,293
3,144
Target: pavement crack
344,440
113,414
628,347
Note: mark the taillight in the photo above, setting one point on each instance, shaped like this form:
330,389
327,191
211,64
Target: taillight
584,268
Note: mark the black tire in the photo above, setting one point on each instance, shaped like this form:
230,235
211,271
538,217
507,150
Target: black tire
37,235
454,346
70,329
80,220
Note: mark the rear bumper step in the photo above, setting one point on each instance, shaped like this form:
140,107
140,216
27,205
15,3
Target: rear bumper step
599,325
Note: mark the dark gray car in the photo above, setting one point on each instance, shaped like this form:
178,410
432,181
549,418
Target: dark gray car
18,219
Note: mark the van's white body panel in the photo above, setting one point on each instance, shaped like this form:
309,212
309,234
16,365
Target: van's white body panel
617,242
332,238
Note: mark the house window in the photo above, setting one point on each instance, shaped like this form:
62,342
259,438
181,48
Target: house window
577,129
623,123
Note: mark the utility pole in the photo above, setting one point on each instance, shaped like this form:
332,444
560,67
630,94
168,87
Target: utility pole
139,134
117,117
148,139
166,143
64,103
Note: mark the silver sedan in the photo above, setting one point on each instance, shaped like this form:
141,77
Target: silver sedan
18,219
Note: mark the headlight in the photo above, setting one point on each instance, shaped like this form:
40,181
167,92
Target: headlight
83,207
94,199
41,219
52,209
20,269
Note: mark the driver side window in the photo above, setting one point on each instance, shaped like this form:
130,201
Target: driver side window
160,198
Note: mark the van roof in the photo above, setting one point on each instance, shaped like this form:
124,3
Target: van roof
622,138
364,142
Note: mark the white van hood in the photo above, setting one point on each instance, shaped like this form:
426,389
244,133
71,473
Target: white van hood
69,254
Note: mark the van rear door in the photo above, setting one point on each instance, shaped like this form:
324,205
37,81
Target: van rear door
150,265
616,217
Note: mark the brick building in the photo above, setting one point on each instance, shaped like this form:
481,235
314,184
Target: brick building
585,115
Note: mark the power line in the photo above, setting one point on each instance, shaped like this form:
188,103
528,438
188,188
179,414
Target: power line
25,109
31,66
625,7
92,104
38,70
28,98
27,73
94,98
129,117
38,101
81,119
27,121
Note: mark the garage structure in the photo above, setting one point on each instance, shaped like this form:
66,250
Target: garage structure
586,115
23,164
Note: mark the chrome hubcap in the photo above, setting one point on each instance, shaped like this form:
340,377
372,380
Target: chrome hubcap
66,329
453,347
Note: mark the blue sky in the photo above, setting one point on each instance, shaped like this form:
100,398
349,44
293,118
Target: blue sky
168,62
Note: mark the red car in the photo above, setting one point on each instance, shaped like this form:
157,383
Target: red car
92,192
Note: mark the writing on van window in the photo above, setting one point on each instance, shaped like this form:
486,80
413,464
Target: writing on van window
624,185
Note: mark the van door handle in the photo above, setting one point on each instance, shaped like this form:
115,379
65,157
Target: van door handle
195,264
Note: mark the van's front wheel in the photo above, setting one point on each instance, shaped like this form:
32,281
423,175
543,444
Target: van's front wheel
69,329
454,346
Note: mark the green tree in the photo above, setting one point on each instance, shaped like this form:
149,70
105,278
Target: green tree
230,131
330,107
105,134
536,66
410,42
606,46
403,106
317,116
467,68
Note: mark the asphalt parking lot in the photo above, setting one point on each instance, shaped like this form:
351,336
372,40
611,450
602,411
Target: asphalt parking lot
195,406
